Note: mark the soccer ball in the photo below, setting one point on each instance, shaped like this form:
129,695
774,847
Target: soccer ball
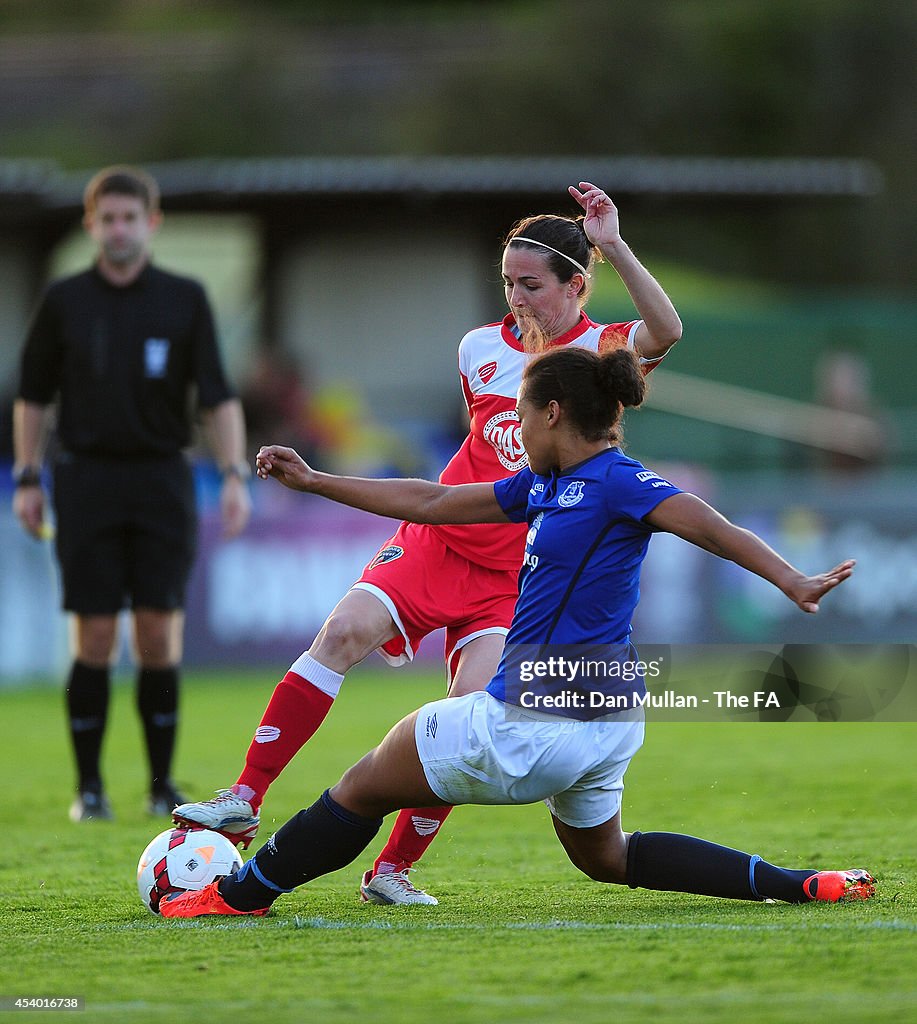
183,858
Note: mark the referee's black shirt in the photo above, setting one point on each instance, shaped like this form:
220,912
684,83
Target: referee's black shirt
124,361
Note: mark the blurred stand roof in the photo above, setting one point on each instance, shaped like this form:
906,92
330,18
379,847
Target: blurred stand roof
29,187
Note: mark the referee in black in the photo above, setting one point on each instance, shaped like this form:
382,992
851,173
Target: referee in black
123,348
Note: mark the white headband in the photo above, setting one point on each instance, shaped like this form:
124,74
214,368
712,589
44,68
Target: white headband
534,241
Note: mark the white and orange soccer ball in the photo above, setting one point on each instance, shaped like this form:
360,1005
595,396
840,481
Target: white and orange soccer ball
180,859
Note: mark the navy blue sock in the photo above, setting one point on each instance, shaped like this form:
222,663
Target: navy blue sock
676,863
321,838
781,883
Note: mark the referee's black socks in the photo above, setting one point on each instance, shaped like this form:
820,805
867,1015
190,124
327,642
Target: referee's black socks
322,838
157,703
671,862
87,710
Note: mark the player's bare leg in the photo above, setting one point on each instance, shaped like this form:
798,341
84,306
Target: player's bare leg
388,777
358,625
472,667
599,852
477,664
299,704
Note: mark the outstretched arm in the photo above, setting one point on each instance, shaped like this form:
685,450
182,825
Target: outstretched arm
661,326
694,520
419,501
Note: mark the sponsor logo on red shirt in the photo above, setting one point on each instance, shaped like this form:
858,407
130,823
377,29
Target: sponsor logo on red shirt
503,433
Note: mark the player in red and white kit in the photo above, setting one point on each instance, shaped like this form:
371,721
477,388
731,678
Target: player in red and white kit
462,578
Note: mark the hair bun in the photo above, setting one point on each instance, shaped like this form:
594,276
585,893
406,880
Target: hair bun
619,372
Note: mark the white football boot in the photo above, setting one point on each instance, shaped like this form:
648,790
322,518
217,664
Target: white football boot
227,813
394,888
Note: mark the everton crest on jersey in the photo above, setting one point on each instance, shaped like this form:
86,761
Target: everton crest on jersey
587,537
572,494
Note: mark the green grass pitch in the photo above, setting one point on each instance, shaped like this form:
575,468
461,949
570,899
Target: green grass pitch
519,935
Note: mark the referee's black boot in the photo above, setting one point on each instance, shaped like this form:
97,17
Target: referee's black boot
164,798
91,804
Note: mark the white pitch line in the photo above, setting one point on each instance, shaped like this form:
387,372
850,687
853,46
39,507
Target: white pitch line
300,922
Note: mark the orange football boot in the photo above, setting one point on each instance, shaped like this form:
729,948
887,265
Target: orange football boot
835,886
202,903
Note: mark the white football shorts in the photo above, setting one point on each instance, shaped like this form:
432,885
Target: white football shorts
477,750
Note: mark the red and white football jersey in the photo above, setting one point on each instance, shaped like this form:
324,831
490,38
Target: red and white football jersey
491,361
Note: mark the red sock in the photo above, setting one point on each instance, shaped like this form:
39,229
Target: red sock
414,830
296,709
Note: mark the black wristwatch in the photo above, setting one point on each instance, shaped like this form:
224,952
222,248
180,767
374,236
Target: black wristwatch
27,476
239,469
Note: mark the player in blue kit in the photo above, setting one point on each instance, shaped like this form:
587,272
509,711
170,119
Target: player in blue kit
591,512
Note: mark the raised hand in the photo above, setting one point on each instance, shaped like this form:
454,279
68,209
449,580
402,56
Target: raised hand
601,220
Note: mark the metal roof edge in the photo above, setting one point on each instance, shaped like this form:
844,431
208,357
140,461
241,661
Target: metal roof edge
700,176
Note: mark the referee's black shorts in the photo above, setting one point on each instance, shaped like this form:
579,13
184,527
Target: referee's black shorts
126,531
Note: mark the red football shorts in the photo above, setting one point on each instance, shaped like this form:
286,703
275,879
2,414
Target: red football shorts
426,586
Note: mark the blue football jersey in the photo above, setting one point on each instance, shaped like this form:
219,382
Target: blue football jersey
580,579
